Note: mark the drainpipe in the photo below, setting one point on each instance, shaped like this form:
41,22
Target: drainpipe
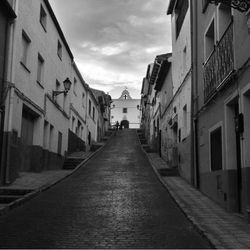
10,78
194,95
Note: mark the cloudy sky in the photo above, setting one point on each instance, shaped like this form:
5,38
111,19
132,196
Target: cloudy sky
113,41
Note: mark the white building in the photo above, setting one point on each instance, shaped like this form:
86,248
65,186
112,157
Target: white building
181,75
126,111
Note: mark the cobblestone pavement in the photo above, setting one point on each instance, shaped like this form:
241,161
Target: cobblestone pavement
114,201
223,229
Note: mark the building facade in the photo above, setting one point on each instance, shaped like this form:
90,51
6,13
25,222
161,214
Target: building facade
126,111
49,111
7,17
77,136
181,76
222,84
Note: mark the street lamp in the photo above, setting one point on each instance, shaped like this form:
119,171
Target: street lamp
67,84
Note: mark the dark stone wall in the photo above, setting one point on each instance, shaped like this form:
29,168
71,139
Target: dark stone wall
75,143
27,158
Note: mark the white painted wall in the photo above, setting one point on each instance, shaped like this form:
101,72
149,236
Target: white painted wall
79,109
44,43
132,115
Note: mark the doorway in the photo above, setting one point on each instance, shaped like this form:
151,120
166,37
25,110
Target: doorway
125,124
233,144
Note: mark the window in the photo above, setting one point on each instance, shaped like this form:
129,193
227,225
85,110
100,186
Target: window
89,107
209,40
57,89
78,128
184,59
45,134
59,50
124,110
204,5
25,48
185,121
224,19
43,18
74,86
83,99
51,137
59,143
180,11
73,123
93,113
27,130
40,69
216,149
64,102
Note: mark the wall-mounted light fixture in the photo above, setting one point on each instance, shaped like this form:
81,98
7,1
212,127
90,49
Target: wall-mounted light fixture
67,84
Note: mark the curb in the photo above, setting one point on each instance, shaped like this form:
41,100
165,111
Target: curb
212,241
45,187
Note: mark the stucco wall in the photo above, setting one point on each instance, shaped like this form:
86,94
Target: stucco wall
132,115
44,43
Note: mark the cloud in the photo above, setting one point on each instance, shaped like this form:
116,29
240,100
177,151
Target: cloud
113,41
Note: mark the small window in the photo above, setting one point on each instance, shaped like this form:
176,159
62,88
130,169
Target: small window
78,128
59,50
209,40
25,48
89,107
43,18
73,123
204,5
40,69
51,137
93,113
75,86
184,59
216,149
58,85
185,121
83,99
180,11
124,110
59,143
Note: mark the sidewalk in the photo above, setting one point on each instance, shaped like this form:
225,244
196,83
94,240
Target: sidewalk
223,229
30,184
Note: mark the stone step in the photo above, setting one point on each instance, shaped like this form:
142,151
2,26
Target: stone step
169,171
8,198
7,191
71,163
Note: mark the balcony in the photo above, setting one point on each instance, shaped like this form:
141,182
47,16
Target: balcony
219,67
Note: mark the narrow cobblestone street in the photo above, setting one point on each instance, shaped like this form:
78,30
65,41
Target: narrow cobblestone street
114,201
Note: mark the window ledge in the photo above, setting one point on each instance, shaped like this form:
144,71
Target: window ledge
25,67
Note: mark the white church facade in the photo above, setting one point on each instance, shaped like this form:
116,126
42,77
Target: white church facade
126,111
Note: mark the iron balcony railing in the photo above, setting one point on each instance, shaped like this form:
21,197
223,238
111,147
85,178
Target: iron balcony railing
220,65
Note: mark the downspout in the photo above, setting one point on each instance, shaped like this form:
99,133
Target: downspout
194,98
9,113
